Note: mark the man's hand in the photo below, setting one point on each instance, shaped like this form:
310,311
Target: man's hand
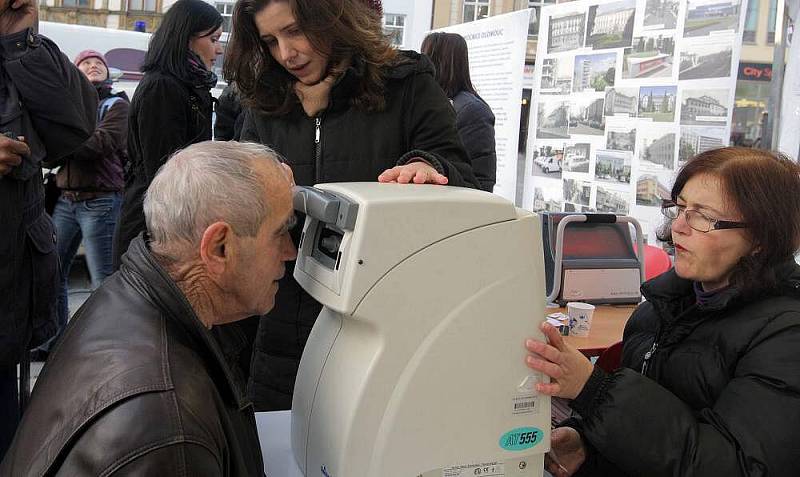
11,153
17,15
567,452
415,172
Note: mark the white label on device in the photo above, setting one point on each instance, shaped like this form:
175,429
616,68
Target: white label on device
591,284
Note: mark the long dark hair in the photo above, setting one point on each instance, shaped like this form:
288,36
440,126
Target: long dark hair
764,187
450,57
169,47
346,28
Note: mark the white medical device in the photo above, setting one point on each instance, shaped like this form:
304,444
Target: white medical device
415,366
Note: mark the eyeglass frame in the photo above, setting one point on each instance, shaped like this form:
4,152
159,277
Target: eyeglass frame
715,224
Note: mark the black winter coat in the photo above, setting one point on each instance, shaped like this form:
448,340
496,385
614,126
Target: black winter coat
137,386
343,145
48,100
167,114
720,395
475,124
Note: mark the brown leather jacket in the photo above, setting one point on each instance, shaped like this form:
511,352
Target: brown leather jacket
137,386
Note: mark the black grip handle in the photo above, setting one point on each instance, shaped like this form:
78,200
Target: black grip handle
601,219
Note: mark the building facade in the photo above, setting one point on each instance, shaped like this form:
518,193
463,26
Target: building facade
662,151
617,102
704,106
611,22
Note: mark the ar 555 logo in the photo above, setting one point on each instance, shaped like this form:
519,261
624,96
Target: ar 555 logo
521,438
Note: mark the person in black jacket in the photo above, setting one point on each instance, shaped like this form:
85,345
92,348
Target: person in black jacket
709,383
321,85
138,384
47,109
90,180
172,106
474,117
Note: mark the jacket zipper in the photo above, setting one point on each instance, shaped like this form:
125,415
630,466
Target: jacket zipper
649,355
318,149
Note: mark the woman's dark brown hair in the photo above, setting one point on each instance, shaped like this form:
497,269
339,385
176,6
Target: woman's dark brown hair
448,52
345,28
764,187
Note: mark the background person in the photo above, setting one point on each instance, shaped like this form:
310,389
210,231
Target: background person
139,385
474,117
47,109
172,106
91,181
709,382
322,86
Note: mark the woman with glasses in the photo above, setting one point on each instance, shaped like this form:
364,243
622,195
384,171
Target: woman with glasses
710,377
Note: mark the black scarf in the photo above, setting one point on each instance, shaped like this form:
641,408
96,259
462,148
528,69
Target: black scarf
200,76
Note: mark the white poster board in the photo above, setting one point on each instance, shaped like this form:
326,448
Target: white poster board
496,65
625,92
789,124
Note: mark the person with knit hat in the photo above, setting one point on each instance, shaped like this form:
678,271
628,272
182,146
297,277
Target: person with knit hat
90,181
323,86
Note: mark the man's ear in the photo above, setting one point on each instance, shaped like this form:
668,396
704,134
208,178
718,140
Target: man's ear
215,247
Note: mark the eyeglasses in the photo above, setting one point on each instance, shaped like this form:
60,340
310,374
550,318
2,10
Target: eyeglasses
696,219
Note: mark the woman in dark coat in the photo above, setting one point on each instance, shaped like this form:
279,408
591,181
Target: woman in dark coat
710,380
474,117
172,106
322,86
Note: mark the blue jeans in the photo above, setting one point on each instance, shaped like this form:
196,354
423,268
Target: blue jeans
91,221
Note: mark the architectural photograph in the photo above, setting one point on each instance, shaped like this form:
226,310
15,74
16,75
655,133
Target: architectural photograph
547,161
577,192
565,32
552,120
594,72
610,25
576,157
586,115
706,59
649,56
661,14
556,76
621,139
704,17
705,107
622,102
657,149
657,103
613,166
548,199
651,191
612,200
695,140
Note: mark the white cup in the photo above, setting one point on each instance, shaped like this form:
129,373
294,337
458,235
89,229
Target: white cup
580,318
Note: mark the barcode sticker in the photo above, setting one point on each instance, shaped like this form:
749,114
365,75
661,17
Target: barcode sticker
525,404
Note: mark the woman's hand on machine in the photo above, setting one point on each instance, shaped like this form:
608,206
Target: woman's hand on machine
418,172
568,369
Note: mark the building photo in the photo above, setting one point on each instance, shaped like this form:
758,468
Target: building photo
577,192
565,32
650,191
546,199
704,17
705,107
613,166
611,201
547,161
576,158
552,120
704,59
586,116
650,56
661,14
657,103
695,140
594,72
621,102
556,76
621,140
610,25
657,150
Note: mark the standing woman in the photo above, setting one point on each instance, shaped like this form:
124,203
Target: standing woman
474,117
322,85
172,106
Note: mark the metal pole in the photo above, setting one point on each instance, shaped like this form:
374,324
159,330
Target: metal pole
769,137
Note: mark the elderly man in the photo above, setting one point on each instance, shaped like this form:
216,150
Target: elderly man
139,385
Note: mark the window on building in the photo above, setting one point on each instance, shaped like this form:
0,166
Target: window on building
771,21
475,10
76,3
142,5
394,27
536,5
226,10
751,22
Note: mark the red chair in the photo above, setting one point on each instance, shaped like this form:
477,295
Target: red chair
610,359
656,261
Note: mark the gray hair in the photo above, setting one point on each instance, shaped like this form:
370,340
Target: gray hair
205,183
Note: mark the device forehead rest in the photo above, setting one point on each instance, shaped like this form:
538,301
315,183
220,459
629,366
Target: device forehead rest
325,206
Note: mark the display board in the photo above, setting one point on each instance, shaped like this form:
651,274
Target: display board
496,64
625,92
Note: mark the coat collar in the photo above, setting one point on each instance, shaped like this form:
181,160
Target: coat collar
143,272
